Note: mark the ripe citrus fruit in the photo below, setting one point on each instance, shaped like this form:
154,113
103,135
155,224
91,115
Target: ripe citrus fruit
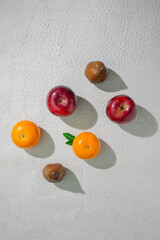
25,134
86,145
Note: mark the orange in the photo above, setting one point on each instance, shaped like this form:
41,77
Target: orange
86,145
25,134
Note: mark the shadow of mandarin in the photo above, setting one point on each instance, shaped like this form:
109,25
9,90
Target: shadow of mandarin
105,159
44,148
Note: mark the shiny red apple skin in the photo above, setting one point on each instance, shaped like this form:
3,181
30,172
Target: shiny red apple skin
61,101
121,109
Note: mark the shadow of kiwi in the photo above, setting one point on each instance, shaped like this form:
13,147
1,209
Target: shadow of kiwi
70,183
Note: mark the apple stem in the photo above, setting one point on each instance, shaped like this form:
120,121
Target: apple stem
121,107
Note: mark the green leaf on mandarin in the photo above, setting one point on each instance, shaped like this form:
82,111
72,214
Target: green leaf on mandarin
69,136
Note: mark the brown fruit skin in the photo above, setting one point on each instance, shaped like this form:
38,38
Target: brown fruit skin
54,172
96,72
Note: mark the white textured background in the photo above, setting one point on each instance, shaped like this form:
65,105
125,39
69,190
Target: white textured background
47,43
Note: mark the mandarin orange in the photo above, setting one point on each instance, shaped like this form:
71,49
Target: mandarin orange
25,134
86,145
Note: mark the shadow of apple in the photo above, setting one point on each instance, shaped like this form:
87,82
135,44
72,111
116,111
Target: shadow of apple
143,125
84,117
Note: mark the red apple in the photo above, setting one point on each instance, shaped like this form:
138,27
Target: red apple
121,109
61,101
